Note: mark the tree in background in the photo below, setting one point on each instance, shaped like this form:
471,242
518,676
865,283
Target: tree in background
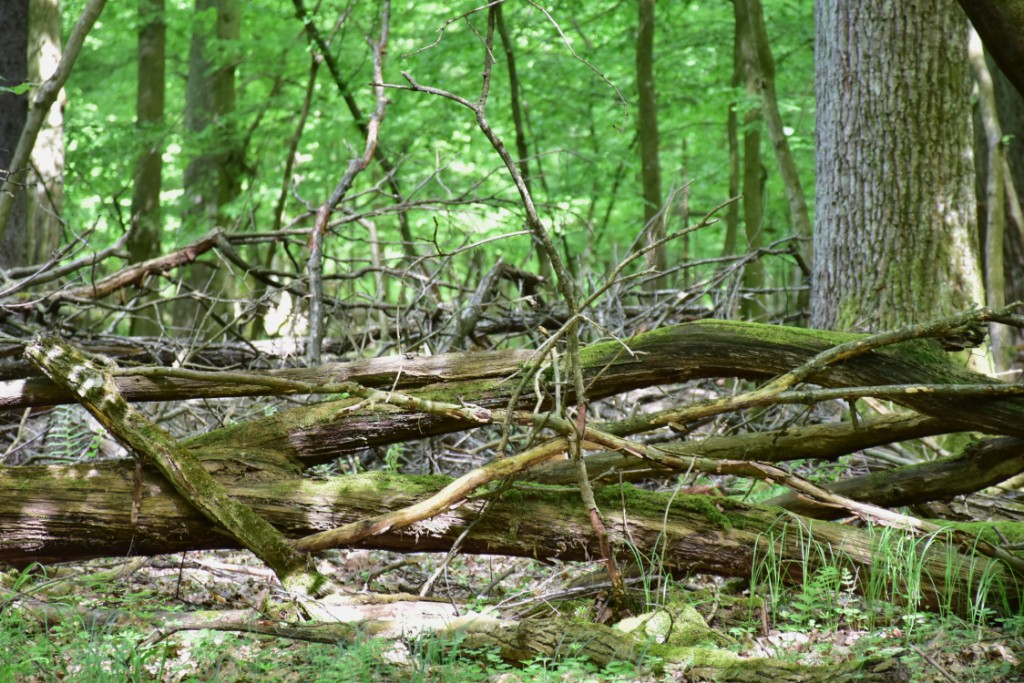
746,71
29,54
46,178
213,176
13,112
647,128
1010,112
895,217
145,239
759,68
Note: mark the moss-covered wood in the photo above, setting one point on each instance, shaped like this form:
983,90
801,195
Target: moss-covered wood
96,391
702,349
55,514
69,513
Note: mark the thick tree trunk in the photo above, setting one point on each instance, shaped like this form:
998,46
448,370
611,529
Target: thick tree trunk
78,512
895,233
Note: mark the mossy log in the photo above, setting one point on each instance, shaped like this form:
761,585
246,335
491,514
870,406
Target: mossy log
702,349
65,513
54,514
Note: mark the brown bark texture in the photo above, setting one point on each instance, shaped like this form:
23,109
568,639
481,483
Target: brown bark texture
895,215
51,514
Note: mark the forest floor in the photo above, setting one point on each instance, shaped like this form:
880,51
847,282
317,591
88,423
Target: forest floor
115,610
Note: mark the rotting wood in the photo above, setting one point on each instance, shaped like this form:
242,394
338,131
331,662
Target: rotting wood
78,512
701,349
95,390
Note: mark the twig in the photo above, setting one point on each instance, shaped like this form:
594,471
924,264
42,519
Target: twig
355,167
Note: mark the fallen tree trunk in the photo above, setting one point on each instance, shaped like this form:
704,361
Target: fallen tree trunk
702,349
41,511
982,464
71,513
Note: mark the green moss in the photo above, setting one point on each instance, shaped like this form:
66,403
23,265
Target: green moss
515,500
453,392
1012,532
378,480
708,657
650,504
779,334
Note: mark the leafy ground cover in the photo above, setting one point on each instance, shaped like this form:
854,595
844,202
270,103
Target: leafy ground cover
106,621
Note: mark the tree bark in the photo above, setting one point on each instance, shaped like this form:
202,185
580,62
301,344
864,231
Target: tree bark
746,71
896,230
703,349
39,106
647,129
46,179
78,512
1010,108
147,229
13,114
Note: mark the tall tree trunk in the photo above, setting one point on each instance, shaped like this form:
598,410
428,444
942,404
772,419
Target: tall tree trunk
765,79
991,169
149,107
647,122
29,53
13,114
895,237
746,71
1010,106
732,216
46,177
522,149
212,178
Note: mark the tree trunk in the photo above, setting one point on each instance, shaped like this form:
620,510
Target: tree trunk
522,149
896,228
1000,23
732,215
703,349
647,128
46,179
42,520
147,227
213,176
991,169
1010,107
45,96
765,67
746,71
13,114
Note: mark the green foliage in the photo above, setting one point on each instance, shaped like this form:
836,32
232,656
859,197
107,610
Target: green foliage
581,131
70,438
892,586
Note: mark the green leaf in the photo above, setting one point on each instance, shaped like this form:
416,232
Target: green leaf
19,89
